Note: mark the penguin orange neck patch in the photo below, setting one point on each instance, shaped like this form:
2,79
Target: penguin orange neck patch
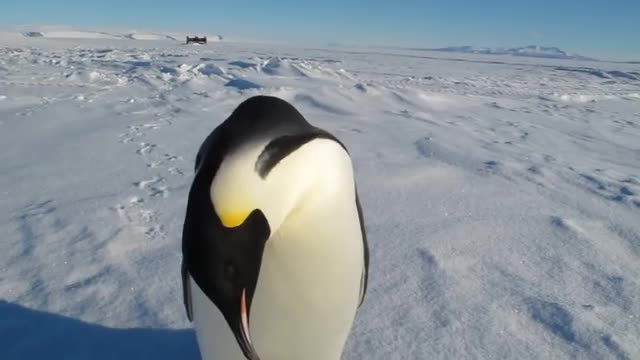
232,219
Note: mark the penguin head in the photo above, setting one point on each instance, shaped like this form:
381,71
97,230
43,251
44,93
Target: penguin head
248,182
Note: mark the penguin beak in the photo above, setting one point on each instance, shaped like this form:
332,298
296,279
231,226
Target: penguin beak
243,335
245,341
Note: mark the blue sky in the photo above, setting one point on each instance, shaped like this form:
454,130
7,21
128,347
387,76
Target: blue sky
600,28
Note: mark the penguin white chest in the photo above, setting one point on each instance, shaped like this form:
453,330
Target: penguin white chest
309,284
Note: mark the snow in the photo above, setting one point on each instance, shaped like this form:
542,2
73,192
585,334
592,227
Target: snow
526,51
70,35
501,198
67,32
149,36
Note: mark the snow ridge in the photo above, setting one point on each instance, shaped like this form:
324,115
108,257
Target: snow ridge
525,51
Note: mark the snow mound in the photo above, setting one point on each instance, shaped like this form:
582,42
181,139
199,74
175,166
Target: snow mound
199,77
63,32
33,34
602,74
209,69
242,84
550,52
291,68
624,75
70,34
94,77
280,67
149,36
186,71
243,64
583,98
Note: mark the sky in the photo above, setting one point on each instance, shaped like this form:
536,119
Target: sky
595,28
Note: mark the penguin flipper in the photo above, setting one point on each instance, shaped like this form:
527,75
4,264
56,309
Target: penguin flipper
364,280
186,292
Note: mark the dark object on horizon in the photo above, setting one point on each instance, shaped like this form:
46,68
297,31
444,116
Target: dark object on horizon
197,40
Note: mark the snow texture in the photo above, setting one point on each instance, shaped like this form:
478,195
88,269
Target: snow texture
66,32
501,198
526,51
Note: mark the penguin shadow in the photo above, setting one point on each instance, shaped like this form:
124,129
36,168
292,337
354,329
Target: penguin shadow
33,334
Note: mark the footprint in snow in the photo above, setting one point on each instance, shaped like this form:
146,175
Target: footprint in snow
155,164
132,133
165,159
145,184
599,183
151,126
25,113
145,148
134,214
159,191
169,157
491,167
155,231
125,139
154,187
176,171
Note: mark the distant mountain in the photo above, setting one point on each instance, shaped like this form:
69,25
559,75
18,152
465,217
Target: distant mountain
527,51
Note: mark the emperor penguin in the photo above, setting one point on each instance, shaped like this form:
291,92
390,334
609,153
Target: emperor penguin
275,255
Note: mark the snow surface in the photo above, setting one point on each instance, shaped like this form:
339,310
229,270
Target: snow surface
66,32
70,34
527,51
149,36
501,198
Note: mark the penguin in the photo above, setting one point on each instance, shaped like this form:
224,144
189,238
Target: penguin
275,255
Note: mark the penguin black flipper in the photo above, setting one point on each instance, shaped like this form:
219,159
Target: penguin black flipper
213,161
365,271
186,292
208,143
